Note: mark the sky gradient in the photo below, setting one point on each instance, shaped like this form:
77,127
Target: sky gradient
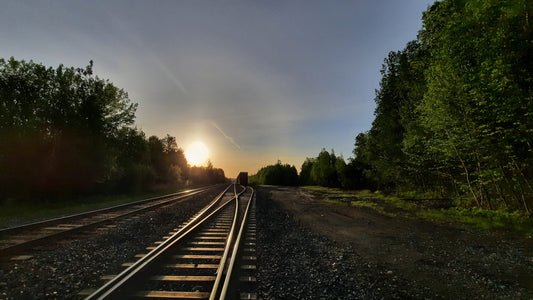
256,81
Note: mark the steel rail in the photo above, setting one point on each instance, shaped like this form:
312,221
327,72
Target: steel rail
33,242
236,249
114,284
96,211
220,270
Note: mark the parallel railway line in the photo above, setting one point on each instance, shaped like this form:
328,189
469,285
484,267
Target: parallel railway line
16,240
197,261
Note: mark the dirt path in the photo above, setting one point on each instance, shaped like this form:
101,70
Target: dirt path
450,261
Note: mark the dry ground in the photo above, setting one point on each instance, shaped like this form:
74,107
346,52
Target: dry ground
449,260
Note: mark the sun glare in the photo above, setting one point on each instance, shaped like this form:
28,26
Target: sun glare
197,153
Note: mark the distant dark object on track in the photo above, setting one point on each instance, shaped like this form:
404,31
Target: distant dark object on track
242,179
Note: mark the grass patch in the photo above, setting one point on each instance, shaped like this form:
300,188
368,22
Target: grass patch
360,204
481,218
414,207
402,204
321,188
372,205
362,199
14,213
337,202
487,219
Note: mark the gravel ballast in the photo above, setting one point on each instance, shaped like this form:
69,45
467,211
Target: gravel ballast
75,265
299,257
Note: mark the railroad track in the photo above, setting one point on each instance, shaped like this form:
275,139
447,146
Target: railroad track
199,260
16,240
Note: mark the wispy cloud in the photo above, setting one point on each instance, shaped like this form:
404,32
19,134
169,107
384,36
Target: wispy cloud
227,137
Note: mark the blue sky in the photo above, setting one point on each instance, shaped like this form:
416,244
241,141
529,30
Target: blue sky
256,81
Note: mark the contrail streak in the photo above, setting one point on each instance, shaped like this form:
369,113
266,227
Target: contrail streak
136,39
229,138
171,75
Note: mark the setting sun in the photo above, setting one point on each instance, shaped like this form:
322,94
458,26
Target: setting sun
197,153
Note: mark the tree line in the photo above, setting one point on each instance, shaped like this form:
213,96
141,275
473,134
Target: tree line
65,131
330,170
454,107
277,174
326,170
454,112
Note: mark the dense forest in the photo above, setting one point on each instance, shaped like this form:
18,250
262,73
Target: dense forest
454,107
64,131
454,112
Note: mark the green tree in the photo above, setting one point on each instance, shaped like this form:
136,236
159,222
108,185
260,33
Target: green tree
57,127
454,107
323,170
157,158
167,160
401,88
206,175
305,173
479,99
278,174
341,169
133,168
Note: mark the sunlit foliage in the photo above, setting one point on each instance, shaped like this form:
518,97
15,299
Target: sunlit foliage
454,108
